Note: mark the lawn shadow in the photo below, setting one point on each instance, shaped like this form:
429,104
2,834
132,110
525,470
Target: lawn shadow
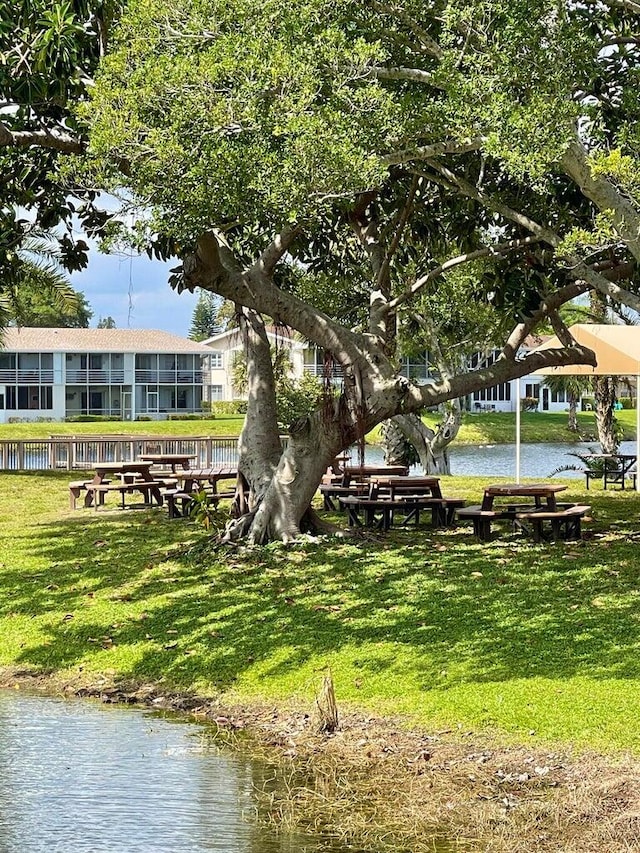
434,606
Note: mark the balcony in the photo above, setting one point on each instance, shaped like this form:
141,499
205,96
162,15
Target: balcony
95,377
169,377
26,377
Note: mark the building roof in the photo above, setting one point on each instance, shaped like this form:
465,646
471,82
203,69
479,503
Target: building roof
27,339
232,338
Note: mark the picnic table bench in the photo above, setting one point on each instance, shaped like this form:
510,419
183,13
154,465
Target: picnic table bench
149,489
565,523
123,477
614,469
545,507
379,512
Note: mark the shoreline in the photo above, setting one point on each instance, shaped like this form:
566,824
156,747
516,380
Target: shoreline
376,784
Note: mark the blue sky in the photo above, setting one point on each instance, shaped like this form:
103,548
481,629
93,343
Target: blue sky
134,291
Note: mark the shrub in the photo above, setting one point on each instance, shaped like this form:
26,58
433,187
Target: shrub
529,404
626,402
588,404
228,407
190,417
85,419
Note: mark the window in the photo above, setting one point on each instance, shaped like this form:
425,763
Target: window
216,360
497,393
416,367
216,393
558,396
532,389
29,397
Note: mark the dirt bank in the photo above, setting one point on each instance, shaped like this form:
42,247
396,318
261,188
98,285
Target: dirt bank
382,786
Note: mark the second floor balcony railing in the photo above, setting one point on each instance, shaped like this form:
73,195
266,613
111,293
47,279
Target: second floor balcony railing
94,377
168,377
26,377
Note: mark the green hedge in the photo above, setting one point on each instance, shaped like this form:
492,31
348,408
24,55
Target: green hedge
85,419
191,417
229,407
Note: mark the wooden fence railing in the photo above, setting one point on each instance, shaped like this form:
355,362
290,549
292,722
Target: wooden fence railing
80,451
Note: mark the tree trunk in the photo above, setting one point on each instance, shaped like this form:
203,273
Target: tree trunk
573,413
605,396
285,508
431,446
398,449
259,445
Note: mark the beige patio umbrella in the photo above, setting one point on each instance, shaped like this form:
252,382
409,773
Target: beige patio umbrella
617,351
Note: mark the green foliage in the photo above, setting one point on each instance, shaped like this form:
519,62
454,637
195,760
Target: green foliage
229,407
621,168
43,299
106,323
49,50
176,416
79,419
203,510
271,120
206,322
297,398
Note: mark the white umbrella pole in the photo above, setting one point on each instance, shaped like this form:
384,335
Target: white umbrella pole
637,433
518,406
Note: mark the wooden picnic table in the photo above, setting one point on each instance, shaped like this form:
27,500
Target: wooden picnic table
525,515
365,472
173,459
615,469
193,477
537,491
132,476
408,496
427,485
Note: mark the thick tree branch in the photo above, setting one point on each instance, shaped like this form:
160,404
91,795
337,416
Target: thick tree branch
426,152
602,283
41,139
549,304
415,75
212,268
560,328
489,251
277,249
500,371
605,195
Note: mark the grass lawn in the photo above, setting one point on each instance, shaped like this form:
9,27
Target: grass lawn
220,425
536,642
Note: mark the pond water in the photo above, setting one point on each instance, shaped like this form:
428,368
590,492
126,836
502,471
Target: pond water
76,775
499,460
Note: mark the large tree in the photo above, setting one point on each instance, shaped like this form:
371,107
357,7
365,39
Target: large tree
378,146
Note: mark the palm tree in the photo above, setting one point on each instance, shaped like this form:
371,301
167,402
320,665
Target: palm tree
573,387
35,266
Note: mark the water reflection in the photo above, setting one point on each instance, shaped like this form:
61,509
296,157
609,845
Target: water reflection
79,776
499,460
